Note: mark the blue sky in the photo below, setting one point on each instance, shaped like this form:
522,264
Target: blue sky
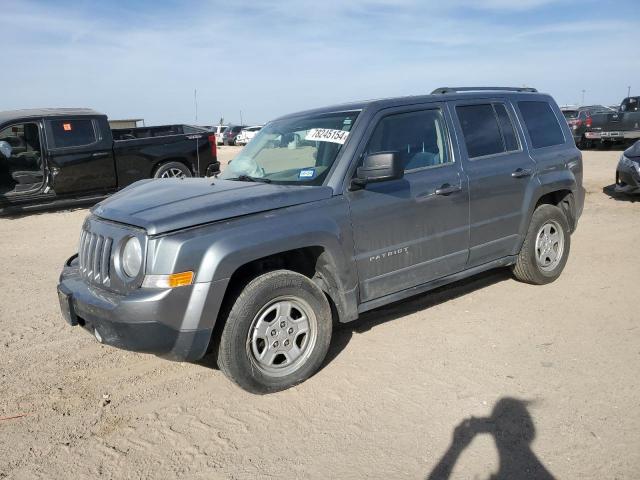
144,59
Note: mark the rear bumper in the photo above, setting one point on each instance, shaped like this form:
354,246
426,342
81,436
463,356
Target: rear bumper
620,135
129,321
592,135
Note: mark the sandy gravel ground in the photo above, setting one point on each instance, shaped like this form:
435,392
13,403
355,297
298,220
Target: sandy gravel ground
554,369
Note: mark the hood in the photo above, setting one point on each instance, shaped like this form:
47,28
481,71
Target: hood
164,205
633,151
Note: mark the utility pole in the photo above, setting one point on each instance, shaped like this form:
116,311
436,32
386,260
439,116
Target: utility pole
583,90
241,123
628,91
195,102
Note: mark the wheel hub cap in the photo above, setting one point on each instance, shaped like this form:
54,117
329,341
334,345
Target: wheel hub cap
173,173
282,336
549,246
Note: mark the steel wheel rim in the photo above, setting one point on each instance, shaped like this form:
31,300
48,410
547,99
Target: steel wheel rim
173,172
549,246
282,336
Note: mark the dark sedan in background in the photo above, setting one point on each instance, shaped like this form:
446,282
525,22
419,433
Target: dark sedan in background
628,170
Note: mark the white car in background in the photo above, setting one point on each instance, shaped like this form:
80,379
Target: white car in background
247,134
218,129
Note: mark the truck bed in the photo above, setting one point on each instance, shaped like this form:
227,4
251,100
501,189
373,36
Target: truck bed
123,134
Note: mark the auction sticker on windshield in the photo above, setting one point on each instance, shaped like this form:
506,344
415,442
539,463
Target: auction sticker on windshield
327,135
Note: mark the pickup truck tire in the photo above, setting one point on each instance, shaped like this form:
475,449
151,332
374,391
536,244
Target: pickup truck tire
277,333
546,247
172,170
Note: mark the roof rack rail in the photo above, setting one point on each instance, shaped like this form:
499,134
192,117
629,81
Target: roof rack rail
443,90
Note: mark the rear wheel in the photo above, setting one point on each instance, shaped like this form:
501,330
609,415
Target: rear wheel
277,333
584,143
546,247
172,170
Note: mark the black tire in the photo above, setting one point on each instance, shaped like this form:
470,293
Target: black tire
527,268
235,356
583,143
171,169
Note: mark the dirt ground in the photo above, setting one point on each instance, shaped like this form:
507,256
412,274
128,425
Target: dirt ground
553,369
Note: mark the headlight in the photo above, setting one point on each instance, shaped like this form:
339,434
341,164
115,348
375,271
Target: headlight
132,257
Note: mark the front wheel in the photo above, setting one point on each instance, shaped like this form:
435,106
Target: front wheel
546,247
277,333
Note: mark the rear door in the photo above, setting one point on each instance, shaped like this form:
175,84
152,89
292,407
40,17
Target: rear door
410,231
500,173
80,155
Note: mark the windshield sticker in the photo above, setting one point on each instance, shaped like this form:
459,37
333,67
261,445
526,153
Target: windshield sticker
307,173
327,135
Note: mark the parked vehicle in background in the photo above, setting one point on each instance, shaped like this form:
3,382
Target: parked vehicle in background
387,199
231,133
621,125
570,112
218,130
64,156
628,171
247,134
585,133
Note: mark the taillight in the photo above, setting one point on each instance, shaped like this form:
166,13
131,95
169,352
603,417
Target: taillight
588,122
213,145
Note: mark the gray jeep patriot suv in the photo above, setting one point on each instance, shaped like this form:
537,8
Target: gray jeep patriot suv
324,215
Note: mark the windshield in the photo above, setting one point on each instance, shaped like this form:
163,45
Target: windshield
293,151
568,114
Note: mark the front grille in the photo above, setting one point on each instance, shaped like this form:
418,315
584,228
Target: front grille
94,256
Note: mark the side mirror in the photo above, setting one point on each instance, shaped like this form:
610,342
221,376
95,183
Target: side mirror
379,167
5,149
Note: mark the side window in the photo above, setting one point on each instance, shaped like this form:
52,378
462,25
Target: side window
72,133
630,104
419,137
541,123
506,127
480,128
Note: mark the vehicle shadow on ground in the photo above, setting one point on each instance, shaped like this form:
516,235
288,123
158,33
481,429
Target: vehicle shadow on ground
342,333
610,191
511,426
23,213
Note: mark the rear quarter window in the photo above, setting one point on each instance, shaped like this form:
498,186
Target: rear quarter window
72,133
542,124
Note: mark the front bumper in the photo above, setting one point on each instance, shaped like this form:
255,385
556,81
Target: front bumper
627,176
133,321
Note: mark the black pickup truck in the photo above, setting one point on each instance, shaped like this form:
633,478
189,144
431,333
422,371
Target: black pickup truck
59,157
617,126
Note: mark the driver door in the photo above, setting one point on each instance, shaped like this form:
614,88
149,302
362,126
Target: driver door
21,161
416,229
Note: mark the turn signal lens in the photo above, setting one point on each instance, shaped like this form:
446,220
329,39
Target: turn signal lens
168,281
180,279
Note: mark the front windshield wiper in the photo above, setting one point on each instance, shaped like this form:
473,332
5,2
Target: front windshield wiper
249,178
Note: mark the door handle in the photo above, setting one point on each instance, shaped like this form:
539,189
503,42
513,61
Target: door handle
100,154
521,173
447,189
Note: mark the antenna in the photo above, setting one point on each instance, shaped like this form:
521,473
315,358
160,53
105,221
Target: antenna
628,91
241,123
195,102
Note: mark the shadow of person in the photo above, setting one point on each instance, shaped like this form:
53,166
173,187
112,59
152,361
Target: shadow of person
512,428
